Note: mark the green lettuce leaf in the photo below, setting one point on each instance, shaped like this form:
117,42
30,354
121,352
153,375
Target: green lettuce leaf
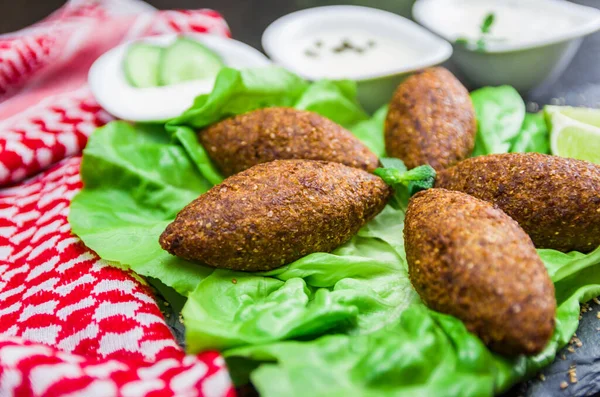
137,178
562,265
500,112
503,126
361,286
335,100
417,356
370,132
188,139
534,135
136,181
236,92
346,322
423,353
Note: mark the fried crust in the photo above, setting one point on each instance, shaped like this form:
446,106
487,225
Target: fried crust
275,213
556,200
278,133
469,259
431,120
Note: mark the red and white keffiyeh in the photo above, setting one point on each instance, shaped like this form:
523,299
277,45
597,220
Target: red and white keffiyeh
70,324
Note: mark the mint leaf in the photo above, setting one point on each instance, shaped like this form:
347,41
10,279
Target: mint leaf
421,178
478,45
391,162
420,173
405,183
487,23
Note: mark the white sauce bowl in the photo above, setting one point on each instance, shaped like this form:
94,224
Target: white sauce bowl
109,85
404,47
532,57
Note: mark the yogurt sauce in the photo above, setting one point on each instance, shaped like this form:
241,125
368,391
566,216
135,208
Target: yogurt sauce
515,21
350,53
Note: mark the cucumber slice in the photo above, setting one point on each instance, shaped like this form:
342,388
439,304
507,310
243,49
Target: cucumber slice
141,65
187,59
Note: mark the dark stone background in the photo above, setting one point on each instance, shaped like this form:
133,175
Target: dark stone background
579,86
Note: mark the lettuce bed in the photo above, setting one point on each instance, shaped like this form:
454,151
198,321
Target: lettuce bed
343,323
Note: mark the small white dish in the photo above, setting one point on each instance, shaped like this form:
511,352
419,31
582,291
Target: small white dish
109,85
373,47
531,41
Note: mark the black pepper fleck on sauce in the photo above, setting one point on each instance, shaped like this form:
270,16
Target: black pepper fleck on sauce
345,45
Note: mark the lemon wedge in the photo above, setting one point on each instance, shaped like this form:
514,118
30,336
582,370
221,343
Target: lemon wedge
574,132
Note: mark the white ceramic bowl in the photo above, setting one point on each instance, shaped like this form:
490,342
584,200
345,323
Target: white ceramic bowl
375,88
112,91
534,62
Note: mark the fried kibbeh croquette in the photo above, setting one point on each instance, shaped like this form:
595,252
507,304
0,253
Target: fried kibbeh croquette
556,200
431,120
274,213
469,259
278,133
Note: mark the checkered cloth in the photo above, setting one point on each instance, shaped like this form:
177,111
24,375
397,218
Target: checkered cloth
70,324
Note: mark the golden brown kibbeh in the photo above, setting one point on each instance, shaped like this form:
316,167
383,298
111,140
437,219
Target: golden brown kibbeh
556,200
431,120
274,213
469,259
277,133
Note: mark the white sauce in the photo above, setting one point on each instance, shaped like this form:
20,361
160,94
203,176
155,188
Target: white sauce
515,22
375,55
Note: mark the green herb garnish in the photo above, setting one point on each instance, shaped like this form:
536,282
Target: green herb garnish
405,182
487,23
480,43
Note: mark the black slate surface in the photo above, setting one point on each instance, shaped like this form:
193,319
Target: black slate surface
578,86
585,361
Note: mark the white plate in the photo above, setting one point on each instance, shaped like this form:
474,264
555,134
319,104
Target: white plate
112,91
